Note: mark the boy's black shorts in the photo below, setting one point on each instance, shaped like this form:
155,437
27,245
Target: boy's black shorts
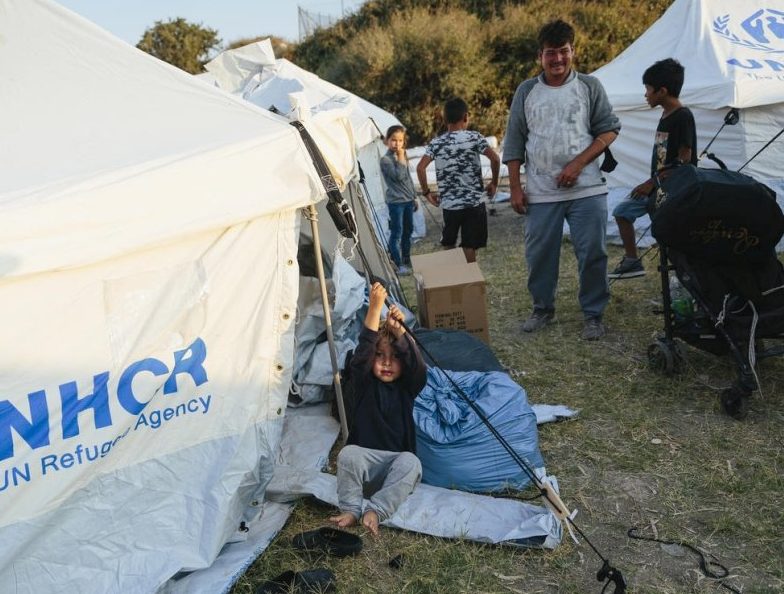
472,224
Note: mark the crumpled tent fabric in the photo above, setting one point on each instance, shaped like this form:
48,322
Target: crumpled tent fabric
313,374
313,365
455,447
253,73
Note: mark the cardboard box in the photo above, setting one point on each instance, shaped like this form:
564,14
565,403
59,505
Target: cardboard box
451,293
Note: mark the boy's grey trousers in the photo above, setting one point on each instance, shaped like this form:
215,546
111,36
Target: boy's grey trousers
387,478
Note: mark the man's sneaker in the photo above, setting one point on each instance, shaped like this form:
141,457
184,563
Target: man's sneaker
403,271
537,321
628,268
593,329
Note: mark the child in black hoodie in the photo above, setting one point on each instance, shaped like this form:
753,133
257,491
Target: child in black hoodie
379,460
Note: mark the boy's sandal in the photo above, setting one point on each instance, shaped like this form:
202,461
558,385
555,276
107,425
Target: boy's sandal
397,561
338,543
311,581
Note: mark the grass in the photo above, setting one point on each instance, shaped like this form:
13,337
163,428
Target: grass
646,450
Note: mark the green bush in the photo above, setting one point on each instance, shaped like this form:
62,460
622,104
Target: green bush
409,56
416,62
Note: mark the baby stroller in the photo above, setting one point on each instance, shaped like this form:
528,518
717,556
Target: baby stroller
717,230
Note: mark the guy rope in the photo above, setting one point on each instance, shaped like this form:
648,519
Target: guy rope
343,217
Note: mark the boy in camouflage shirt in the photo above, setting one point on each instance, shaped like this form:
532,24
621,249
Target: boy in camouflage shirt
460,184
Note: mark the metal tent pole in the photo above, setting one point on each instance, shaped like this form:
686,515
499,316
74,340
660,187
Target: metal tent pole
313,216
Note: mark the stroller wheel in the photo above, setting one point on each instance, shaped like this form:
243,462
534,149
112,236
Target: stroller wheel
661,357
735,402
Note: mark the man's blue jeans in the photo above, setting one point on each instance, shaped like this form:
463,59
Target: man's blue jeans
401,226
587,218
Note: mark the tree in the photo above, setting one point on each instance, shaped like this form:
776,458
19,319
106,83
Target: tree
414,64
409,56
180,43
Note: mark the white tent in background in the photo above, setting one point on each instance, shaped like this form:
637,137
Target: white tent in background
254,73
149,230
733,52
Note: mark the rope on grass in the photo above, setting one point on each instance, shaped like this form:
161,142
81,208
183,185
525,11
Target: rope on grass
344,220
719,571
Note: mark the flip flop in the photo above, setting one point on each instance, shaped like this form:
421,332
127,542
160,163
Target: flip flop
330,540
311,581
397,562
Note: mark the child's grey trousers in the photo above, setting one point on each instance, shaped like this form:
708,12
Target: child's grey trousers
387,478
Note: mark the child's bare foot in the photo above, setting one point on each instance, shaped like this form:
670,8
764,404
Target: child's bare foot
344,520
370,521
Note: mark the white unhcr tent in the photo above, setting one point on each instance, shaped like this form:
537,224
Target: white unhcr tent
149,231
733,53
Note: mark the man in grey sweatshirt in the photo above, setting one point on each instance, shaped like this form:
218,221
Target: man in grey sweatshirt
559,123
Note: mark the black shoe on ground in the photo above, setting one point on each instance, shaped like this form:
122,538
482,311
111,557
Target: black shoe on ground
310,581
628,268
593,329
537,320
338,543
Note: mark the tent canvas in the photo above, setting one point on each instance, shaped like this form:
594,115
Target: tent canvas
349,140
733,53
254,73
150,231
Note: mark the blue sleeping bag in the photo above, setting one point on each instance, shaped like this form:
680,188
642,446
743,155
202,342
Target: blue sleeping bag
456,449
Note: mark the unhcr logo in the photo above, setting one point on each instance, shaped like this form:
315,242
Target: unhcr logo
763,32
78,412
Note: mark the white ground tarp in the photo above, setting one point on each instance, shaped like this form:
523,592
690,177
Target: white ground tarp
308,435
148,238
733,52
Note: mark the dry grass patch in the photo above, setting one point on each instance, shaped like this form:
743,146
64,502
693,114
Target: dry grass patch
646,450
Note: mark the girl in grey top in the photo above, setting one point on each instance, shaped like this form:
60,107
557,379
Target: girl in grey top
401,198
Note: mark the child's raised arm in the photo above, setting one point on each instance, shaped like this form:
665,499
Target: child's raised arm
414,374
394,319
377,296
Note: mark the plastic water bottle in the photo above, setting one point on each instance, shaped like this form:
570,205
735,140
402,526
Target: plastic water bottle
681,301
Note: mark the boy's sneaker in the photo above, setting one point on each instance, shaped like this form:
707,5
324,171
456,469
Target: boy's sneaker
593,329
628,268
403,271
537,320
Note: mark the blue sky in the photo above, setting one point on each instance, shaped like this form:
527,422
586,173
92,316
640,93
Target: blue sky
233,19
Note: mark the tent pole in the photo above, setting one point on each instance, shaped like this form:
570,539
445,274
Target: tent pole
313,216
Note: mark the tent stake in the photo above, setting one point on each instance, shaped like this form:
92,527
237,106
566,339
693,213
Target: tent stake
312,215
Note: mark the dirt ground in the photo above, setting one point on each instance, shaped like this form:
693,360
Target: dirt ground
646,451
